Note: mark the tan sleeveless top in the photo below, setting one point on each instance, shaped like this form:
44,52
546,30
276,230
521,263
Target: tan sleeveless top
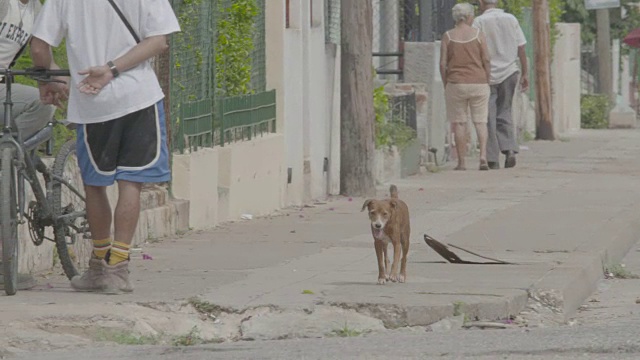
464,61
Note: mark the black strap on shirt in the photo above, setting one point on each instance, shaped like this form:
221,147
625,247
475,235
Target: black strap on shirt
124,20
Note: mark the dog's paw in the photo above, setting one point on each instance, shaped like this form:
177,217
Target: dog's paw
402,278
382,281
394,278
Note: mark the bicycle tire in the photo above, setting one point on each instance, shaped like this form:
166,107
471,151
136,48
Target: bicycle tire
9,222
72,261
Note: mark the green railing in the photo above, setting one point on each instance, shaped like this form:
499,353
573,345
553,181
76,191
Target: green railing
197,127
237,118
245,117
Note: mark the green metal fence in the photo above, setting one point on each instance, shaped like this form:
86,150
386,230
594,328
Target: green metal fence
196,105
245,117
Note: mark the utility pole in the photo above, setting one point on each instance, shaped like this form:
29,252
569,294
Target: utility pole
603,42
357,142
542,66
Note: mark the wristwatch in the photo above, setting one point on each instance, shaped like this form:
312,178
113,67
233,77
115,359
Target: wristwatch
113,68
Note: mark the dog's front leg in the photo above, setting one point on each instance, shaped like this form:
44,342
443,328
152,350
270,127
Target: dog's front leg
396,260
387,263
382,278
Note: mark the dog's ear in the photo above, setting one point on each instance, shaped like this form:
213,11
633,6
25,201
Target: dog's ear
366,204
394,203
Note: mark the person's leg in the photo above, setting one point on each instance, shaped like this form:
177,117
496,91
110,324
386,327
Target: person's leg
493,149
143,157
30,115
479,105
95,146
100,218
457,106
126,220
460,137
505,130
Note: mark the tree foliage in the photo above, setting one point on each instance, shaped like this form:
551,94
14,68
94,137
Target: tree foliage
575,12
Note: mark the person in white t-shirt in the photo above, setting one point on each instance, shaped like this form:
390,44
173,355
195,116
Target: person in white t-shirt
117,102
30,115
506,43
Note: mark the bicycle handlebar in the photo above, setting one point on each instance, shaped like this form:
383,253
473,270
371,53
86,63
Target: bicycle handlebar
34,72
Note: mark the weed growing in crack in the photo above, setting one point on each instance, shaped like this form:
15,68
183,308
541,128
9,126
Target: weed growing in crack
307,292
618,271
125,338
458,309
189,339
208,308
346,331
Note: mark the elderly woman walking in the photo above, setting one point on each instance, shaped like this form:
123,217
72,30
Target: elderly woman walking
465,69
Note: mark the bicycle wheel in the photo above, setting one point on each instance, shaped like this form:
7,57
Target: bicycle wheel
74,250
9,221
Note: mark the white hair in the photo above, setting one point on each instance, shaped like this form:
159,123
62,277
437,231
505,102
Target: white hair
462,11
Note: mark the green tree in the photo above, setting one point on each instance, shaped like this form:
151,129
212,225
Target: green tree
575,12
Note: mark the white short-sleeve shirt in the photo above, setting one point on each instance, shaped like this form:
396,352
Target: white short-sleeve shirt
504,36
12,36
94,35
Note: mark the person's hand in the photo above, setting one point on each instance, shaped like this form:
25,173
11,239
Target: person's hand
524,83
54,93
96,79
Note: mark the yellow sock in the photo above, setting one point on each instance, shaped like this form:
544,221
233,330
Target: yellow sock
119,253
101,247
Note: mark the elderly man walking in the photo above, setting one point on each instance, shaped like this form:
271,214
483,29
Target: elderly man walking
506,42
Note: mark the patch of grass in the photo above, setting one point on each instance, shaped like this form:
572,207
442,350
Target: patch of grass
189,339
527,136
125,338
458,309
208,308
346,331
618,271
433,168
307,292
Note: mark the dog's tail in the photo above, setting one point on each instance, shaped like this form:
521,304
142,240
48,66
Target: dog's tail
393,191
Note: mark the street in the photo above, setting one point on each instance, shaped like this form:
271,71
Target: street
301,284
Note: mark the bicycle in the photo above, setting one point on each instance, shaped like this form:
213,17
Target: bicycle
59,196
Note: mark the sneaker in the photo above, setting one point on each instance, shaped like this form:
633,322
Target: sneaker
116,279
91,280
25,281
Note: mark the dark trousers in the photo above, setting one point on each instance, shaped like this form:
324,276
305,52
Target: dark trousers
502,137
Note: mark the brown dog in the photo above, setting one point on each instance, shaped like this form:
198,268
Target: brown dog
390,224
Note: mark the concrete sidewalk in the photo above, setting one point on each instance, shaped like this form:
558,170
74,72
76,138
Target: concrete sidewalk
568,209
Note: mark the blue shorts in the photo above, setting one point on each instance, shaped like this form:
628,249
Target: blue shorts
131,148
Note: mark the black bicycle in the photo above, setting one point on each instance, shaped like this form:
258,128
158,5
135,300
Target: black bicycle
58,211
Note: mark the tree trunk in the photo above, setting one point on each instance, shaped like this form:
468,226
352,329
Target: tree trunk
603,44
357,144
542,57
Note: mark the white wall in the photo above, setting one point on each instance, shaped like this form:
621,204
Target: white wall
308,84
565,78
315,100
293,93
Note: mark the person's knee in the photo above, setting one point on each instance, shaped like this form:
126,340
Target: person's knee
92,190
129,184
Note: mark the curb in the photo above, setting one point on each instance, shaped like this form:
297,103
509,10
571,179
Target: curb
565,288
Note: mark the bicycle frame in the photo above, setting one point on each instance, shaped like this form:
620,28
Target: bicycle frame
28,163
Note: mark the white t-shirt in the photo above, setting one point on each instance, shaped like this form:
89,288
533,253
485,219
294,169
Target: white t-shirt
504,36
94,35
12,37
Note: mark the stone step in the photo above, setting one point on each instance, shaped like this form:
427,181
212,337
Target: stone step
160,216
